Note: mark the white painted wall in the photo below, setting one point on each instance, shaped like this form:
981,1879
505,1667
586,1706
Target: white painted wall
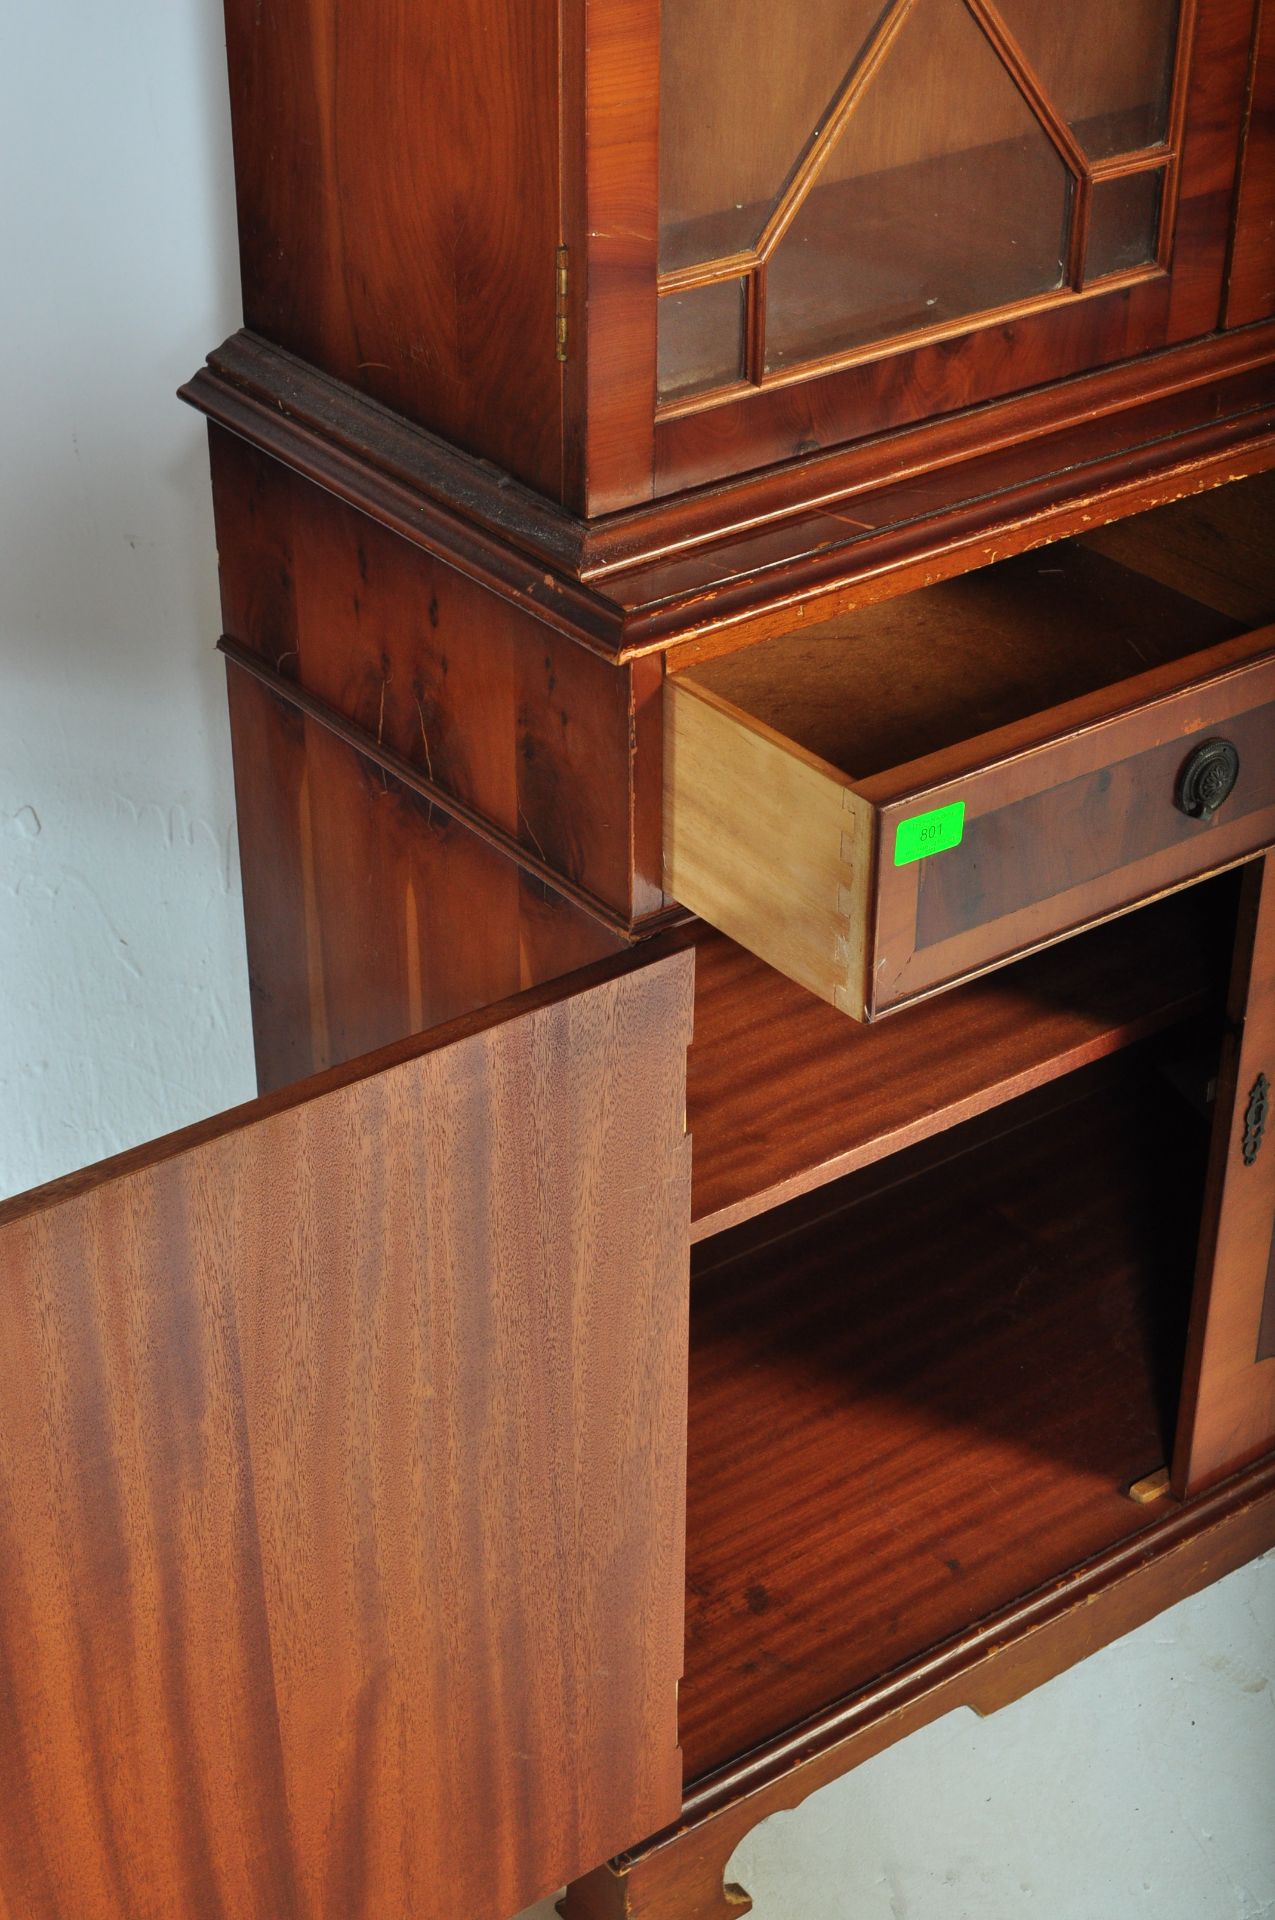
1141,1786
123,1010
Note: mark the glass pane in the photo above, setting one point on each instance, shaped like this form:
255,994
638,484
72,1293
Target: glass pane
701,338
943,198
1106,65
1123,223
742,89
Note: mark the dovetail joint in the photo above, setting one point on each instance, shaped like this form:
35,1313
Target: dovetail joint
563,288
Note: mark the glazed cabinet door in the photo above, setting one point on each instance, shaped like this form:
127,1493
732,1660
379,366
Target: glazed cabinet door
342,1450
871,214
1228,1407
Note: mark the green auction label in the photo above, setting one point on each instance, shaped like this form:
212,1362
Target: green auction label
929,833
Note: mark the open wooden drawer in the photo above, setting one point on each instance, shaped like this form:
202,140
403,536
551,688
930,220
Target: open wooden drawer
918,790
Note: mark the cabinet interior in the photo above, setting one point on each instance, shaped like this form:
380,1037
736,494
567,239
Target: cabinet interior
823,1095
886,684
924,1388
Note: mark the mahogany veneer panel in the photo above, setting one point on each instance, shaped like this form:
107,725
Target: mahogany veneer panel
906,1413
823,1095
341,1485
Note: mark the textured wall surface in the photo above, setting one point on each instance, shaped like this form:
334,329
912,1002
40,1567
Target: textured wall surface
1142,1786
124,1005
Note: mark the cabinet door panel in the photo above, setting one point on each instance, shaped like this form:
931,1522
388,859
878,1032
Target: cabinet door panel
1228,1401
342,1484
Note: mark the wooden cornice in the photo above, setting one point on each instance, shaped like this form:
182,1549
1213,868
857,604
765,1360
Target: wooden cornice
718,567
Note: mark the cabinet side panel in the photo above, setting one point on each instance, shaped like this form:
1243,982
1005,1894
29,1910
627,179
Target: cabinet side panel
342,1458
486,702
370,913
1251,290
397,179
1210,162
1227,1415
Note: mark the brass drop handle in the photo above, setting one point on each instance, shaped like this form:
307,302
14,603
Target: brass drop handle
1207,779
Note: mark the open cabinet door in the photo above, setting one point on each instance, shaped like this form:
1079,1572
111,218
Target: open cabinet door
342,1483
1228,1400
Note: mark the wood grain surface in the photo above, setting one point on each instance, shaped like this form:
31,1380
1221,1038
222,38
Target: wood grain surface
824,1095
1229,1390
611,196
341,1485
759,554
370,913
1218,548
483,699
766,843
682,1872
893,682
950,1382
1054,696
1250,293
397,176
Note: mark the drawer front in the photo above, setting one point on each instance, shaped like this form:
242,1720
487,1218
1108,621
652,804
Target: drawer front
1077,828
1044,828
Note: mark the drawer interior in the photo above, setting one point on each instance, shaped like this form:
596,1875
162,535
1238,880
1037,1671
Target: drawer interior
886,684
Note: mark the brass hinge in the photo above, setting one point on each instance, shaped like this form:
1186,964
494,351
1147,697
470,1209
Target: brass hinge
563,271
1256,1114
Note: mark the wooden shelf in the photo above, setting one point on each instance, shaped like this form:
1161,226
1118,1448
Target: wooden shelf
785,1094
928,1399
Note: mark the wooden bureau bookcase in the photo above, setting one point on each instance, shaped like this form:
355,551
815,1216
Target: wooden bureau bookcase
747,547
